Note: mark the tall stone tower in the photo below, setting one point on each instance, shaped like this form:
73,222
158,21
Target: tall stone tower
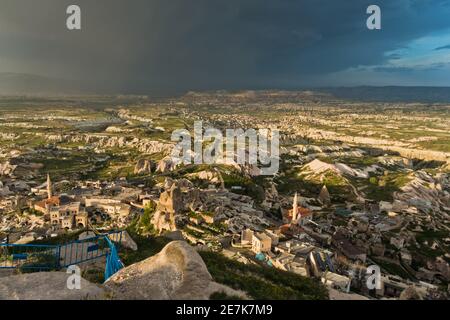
49,186
295,208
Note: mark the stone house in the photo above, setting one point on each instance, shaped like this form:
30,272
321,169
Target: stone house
261,242
246,236
69,216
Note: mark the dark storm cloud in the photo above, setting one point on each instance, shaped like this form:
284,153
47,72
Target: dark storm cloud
139,46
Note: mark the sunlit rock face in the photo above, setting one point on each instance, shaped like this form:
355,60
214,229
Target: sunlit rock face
47,286
177,272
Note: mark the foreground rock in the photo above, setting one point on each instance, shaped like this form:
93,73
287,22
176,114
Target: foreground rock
339,295
177,272
47,286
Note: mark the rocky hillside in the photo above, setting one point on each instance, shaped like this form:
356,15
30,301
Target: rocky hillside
177,272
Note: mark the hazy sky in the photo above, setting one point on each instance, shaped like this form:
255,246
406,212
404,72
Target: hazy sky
137,46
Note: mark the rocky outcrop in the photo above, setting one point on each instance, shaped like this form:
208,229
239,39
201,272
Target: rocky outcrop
47,286
404,149
103,141
166,164
163,221
170,203
181,197
143,166
7,168
177,272
210,176
427,193
271,197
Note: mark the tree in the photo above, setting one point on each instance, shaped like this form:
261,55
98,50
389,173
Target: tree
145,224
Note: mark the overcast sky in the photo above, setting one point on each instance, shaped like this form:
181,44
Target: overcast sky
139,46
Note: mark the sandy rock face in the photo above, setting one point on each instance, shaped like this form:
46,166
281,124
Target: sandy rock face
166,164
143,166
7,168
47,286
177,272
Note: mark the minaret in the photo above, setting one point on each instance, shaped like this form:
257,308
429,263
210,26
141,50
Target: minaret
295,208
49,186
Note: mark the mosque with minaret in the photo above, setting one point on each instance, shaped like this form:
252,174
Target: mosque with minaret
295,218
298,215
62,211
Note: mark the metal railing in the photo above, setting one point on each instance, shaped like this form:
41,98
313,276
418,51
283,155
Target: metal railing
38,257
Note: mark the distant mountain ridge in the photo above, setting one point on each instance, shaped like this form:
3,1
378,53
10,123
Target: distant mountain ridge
390,93
31,84
362,93
37,85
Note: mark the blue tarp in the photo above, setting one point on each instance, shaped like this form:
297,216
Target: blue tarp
113,263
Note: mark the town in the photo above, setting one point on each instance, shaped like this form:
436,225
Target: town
345,197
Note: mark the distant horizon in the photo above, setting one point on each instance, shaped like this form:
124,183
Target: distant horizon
90,92
362,93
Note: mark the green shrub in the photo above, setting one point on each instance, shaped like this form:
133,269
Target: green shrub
262,282
145,225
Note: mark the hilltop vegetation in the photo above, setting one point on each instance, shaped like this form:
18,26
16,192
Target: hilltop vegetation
262,283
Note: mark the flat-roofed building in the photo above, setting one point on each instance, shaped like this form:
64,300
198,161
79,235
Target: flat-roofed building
261,242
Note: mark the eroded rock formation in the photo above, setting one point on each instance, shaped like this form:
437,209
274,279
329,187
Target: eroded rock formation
177,272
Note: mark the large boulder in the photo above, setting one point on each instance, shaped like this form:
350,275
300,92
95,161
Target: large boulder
177,272
47,286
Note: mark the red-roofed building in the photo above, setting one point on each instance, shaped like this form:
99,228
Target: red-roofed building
63,211
45,205
297,215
